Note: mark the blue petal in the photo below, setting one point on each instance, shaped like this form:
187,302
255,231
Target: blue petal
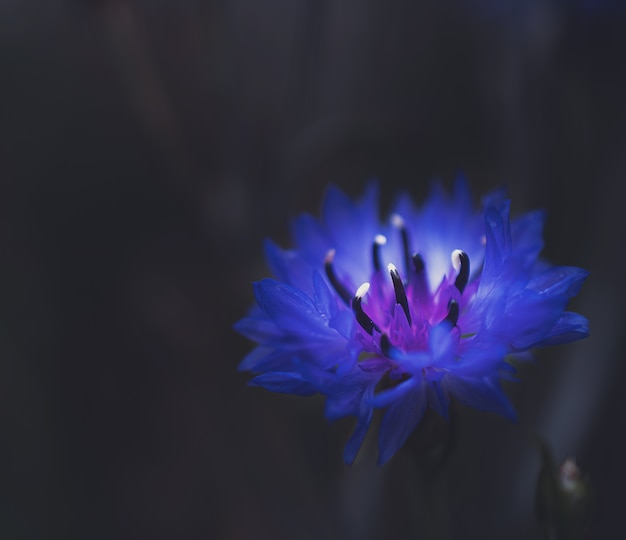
284,383
400,419
461,193
498,229
254,358
311,238
528,318
399,327
325,300
403,205
497,249
484,394
337,407
412,362
482,358
570,327
348,363
257,326
436,202
343,322
291,309
338,210
264,359
365,419
368,205
443,342
276,260
289,267
437,398
526,234
559,280
387,397
344,392
494,198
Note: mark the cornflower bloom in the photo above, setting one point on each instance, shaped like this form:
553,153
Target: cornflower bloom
404,314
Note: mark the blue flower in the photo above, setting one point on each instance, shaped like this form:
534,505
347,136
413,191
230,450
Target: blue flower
404,314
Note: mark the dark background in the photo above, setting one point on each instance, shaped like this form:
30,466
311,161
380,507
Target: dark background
147,148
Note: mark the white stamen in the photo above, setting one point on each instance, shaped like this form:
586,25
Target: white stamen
362,290
569,475
397,221
456,259
330,256
380,239
392,267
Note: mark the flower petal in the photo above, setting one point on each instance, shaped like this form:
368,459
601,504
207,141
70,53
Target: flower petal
437,398
284,383
257,327
528,318
364,420
325,300
559,280
527,237
443,341
311,238
570,327
400,419
288,266
484,394
290,309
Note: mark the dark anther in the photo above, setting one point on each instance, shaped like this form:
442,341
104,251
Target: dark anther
332,277
419,279
418,263
461,262
361,317
379,241
389,350
398,288
453,312
385,344
398,222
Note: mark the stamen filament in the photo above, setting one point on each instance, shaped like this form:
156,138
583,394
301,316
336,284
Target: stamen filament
461,263
418,263
398,222
419,279
453,313
339,287
379,241
398,288
361,317
386,347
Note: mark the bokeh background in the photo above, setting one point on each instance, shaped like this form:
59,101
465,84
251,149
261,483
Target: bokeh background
146,149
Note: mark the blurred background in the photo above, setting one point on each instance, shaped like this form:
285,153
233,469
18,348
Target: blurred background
146,149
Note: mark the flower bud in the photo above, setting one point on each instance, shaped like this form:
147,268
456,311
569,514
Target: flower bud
564,499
